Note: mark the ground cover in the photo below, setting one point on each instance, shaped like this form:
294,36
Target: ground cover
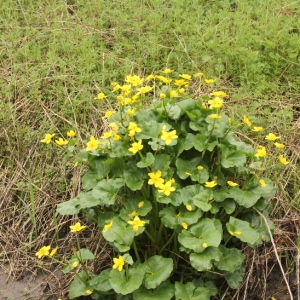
55,58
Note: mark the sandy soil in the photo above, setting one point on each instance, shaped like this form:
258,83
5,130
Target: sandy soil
20,290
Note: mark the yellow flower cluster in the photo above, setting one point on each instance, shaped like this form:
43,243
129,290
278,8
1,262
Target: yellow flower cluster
158,182
45,251
60,141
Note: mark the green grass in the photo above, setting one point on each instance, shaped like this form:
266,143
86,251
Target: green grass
56,55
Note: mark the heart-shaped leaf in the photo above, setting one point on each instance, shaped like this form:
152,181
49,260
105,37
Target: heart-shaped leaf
157,269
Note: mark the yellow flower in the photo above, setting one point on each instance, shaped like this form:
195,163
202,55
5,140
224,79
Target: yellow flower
135,147
71,133
47,138
108,226
189,207
133,214
134,80
204,245
61,142
114,83
219,94
283,160
235,232
180,82
133,129
209,81
109,113
126,89
215,116
186,76
53,252
141,204
199,74
271,137
155,178
89,292
118,263
150,77
167,71
168,137
101,96
260,151
247,121
200,168
262,183
231,183
164,79
184,225
166,188
116,137
136,223
92,144
210,184
75,264
106,135
44,251
114,126
77,227
173,94
217,102
116,88
162,96
130,112
279,146
181,91
257,129
144,89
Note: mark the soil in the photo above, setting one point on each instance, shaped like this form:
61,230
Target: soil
27,289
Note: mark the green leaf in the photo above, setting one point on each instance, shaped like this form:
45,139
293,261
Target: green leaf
162,162
242,146
199,142
203,261
232,158
104,218
188,291
71,207
157,269
230,260
200,236
120,233
83,200
123,284
132,202
168,217
97,171
246,198
106,190
174,111
84,254
187,166
120,149
235,279
134,176
165,291
242,230
202,198
78,286
146,161
101,282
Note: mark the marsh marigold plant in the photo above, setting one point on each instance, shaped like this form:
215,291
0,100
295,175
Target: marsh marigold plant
176,194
